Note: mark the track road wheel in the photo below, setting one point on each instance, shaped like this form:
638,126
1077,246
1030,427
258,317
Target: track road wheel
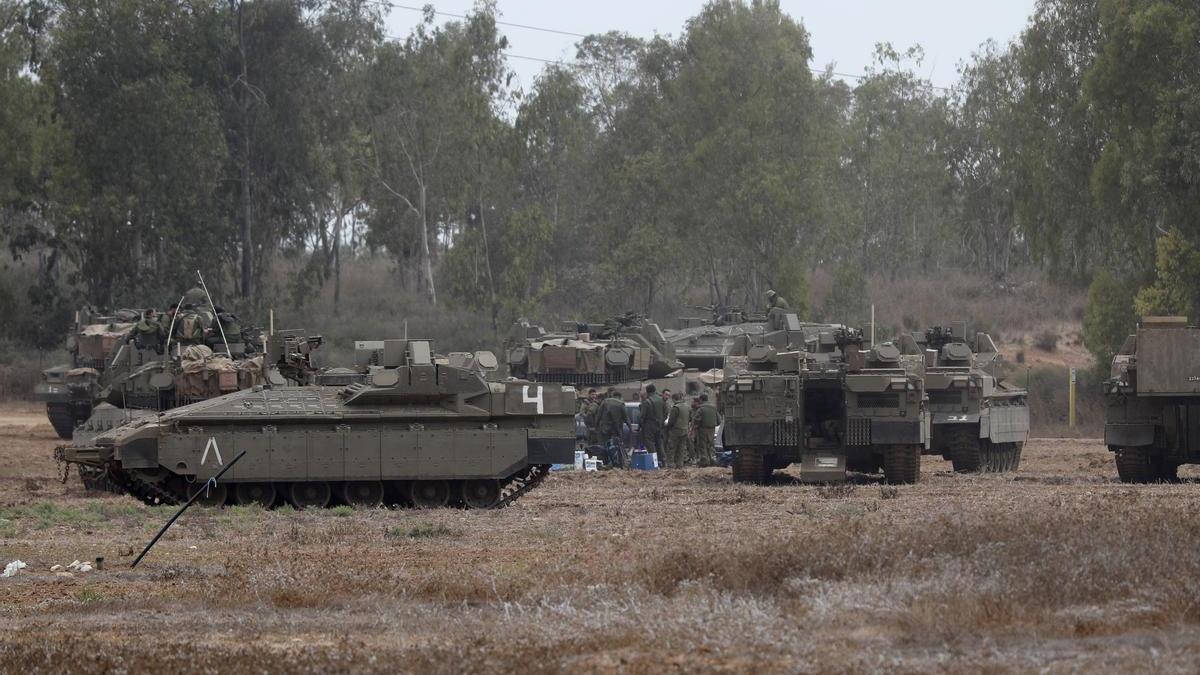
966,449
213,496
363,494
1135,465
902,464
309,494
750,466
480,494
262,494
429,494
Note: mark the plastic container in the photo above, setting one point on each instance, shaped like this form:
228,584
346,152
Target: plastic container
643,461
580,458
591,464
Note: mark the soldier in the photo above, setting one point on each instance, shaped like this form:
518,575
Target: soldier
650,421
148,333
707,419
776,301
590,407
677,425
667,399
189,328
612,422
227,324
693,444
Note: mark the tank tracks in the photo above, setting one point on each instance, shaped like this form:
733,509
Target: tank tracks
156,491
521,484
98,480
970,454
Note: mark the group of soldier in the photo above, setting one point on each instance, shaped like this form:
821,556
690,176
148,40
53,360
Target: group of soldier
681,433
189,323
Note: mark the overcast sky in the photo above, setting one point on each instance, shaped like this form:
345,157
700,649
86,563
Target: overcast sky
843,33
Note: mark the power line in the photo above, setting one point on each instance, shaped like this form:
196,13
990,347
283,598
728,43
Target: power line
555,31
393,5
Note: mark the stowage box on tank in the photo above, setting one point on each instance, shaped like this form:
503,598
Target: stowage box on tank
420,432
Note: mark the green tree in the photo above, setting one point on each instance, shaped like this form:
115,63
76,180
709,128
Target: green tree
1176,288
1107,319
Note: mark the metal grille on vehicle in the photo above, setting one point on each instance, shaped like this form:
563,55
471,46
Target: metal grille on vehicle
878,400
945,397
858,431
786,433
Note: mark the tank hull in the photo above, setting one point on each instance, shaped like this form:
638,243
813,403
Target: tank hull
308,438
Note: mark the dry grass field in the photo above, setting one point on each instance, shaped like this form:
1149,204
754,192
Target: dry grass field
1056,568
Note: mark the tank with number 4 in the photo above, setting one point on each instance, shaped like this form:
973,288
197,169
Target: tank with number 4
416,429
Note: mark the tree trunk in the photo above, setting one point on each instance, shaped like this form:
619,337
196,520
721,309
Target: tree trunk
337,262
426,259
247,271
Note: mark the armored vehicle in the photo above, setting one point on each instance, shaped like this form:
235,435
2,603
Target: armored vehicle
623,349
415,432
831,408
71,390
705,344
1152,401
977,422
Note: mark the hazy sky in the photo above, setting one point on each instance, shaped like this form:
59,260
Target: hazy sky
843,33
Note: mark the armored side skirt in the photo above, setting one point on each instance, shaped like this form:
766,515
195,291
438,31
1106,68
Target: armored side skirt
351,453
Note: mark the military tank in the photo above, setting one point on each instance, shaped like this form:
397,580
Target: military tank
1152,401
71,390
627,348
706,343
832,407
979,423
418,431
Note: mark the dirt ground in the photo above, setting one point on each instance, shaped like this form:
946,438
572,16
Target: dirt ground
1055,568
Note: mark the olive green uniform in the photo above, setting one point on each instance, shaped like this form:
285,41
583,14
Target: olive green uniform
612,420
677,435
149,334
777,302
590,408
650,423
707,420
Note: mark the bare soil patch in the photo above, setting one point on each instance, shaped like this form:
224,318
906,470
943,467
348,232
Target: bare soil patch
1057,567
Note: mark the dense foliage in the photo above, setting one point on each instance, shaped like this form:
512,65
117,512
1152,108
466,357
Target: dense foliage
144,139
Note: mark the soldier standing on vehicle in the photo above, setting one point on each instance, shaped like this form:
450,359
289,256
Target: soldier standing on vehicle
707,419
650,421
776,301
612,421
677,425
149,333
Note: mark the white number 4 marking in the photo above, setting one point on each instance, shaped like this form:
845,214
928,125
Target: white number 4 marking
537,398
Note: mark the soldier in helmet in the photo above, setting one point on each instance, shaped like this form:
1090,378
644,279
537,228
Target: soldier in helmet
776,301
